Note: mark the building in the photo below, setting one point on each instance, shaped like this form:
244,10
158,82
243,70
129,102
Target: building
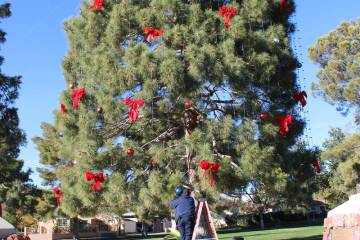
102,225
99,226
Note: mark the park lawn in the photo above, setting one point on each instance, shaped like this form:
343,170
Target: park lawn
300,233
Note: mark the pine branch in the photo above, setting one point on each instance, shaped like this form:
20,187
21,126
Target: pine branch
224,101
115,128
168,133
218,154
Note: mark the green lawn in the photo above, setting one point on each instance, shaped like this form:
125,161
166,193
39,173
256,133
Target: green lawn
299,233
302,233
291,233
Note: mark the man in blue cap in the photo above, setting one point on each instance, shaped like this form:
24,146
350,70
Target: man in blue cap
184,206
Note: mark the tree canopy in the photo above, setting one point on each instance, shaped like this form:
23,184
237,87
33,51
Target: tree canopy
338,56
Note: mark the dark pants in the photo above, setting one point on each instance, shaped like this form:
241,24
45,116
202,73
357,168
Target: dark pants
185,225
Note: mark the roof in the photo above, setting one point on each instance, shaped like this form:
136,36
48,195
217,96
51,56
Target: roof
129,214
6,228
347,208
317,202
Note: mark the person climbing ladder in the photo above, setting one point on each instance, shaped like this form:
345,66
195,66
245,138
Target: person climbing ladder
184,206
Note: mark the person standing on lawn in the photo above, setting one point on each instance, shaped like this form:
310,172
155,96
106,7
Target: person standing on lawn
184,206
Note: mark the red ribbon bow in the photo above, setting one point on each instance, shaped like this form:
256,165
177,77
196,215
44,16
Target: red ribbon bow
228,14
98,179
97,4
58,193
283,5
77,95
284,122
152,33
134,108
316,165
62,109
300,97
212,167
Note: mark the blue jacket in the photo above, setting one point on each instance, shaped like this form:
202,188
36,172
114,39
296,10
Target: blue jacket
183,205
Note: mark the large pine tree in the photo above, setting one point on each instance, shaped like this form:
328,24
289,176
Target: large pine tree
204,87
12,177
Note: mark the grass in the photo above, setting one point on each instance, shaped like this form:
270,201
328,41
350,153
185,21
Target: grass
288,233
294,233
301,233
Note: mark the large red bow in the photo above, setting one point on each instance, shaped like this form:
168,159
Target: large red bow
134,108
316,165
227,14
77,95
62,109
300,97
212,167
58,193
152,33
283,122
98,179
97,4
283,5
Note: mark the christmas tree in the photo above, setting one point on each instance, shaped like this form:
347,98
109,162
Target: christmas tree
167,92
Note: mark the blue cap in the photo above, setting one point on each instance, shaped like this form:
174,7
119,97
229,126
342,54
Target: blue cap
179,191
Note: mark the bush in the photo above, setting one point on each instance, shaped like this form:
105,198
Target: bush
278,218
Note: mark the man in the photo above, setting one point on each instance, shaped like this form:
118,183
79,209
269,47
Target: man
184,206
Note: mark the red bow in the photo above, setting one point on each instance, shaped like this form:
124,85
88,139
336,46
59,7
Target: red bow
228,14
300,97
316,165
62,109
98,179
134,108
283,5
77,95
97,4
212,167
152,33
57,191
283,122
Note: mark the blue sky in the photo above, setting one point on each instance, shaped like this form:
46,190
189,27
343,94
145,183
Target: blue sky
36,44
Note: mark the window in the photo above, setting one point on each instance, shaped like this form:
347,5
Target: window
62,222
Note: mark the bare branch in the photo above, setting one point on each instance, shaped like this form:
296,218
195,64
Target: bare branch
168,133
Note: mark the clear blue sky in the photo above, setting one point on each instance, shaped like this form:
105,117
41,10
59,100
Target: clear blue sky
36,44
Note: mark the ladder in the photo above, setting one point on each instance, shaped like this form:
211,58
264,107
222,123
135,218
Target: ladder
204,226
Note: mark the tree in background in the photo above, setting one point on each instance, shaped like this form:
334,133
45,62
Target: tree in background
338,55
16,191
342,158
213,84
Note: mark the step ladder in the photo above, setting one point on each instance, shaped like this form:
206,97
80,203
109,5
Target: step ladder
204,226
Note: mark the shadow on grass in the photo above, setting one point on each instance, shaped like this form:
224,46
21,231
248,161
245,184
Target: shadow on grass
275,227
318,237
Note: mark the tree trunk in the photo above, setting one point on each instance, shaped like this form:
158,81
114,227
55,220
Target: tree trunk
1,212
262,226
190,162
75,228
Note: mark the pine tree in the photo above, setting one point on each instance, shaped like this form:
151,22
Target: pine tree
338,56
13,180
204,78
342,174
